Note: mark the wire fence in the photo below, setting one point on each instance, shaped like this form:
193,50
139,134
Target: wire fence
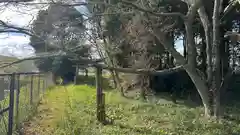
20,94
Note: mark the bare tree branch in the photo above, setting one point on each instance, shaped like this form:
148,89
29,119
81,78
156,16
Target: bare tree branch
56,54
173,14
65,4
14,1
16,31
193,9
141,71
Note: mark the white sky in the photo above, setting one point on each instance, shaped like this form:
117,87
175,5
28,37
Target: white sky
17,44
21,16
13,42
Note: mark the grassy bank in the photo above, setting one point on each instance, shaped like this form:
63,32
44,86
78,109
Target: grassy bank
71,111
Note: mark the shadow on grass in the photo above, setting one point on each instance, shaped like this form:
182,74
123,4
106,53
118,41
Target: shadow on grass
232,112
164,98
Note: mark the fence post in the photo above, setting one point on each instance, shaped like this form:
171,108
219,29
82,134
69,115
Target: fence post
43,85
31,90
11,105
39,81
100,101
17,101
76,75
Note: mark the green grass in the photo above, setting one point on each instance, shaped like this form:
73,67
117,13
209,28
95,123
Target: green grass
71,110
26,110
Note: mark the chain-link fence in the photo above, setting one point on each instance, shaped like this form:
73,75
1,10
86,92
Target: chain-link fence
20,94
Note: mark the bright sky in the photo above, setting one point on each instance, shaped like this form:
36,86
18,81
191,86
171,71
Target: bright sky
14,44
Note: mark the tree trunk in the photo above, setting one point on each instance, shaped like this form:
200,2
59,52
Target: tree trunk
167,60
171,58
190,68
207,31
192,52
114,79
216,41
144,86
206,25
197,79
119,86
202,88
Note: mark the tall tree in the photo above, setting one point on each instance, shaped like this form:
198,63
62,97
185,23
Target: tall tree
59,28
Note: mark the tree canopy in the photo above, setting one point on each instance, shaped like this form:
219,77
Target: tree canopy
59,28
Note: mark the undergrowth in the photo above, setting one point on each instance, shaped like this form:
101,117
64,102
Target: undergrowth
71,110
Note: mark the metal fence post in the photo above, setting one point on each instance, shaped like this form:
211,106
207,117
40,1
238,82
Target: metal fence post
11,105
17,101
31,90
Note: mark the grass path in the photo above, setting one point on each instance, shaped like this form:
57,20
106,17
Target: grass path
71,111
49,110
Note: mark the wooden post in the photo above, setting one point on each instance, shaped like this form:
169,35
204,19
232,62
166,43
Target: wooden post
39,83
100,96
31,90
76,75
103,113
